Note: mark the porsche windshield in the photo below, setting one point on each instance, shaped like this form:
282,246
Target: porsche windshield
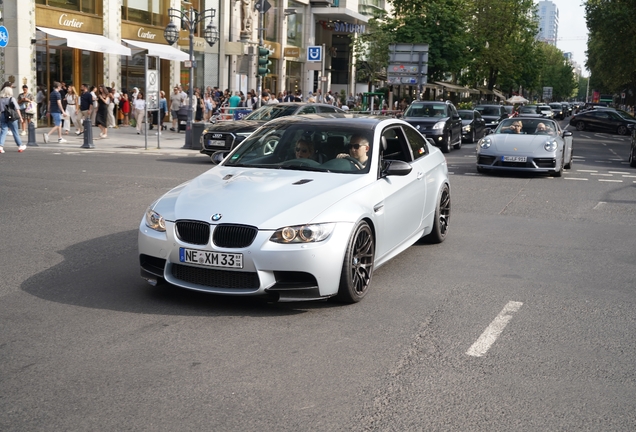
310,146
526,126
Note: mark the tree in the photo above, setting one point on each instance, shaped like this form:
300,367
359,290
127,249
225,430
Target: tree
371,49
556,72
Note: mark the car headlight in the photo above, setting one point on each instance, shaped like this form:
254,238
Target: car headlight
466,128
303,233
243,134
485,143
155,221
550,146
439,125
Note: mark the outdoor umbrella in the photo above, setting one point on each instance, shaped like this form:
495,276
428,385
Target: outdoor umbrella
517,99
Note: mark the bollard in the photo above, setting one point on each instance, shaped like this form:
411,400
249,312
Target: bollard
31,142
88,134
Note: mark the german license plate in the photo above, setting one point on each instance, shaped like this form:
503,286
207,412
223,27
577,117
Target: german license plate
515,158
211,259
216,143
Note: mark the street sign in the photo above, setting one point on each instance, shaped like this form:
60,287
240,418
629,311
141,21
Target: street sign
403,68
152,89
547,92
406,79
314,53
4,37
262,6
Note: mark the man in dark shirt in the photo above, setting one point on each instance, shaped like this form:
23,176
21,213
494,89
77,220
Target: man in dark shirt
57,111
86,105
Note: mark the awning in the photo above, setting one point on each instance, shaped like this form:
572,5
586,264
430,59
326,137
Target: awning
88,41
453,87
498,94
165,52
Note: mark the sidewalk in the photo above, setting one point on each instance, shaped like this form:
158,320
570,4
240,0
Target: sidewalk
124,139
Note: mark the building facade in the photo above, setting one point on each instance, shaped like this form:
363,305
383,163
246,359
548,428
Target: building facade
106,42
548,15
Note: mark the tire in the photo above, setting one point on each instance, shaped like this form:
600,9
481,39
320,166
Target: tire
459,144
442,217
559,173
622,130
580,126
472,136
569,164
446,145
480,169
357,267
632,158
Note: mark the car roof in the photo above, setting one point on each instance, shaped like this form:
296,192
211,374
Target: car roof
353,119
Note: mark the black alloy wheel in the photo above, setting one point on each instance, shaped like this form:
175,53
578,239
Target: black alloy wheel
357,267
441,223
446,144
580,126
622,130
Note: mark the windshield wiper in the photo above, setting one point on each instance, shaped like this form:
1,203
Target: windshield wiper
304,168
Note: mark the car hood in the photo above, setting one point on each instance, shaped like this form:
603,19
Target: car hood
520,144
425,120
466,122
490,118
235,126
266,198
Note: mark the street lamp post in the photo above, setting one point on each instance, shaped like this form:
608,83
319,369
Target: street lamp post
190,19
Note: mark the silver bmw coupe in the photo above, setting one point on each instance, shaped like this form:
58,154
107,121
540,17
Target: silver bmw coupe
306,208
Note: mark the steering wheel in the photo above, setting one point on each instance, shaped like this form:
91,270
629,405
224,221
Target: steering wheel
354,161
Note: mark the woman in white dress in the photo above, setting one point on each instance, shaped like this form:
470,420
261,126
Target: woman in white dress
72,102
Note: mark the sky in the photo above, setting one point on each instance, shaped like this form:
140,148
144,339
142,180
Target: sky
572,30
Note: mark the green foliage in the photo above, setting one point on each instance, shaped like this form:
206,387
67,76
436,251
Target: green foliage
611,50
555,72
371,49
465,105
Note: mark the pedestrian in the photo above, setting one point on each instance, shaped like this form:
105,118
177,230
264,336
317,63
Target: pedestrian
40,97
116,97
110,118
56,110
24,99
6,98
72,101
125,108
176,101
140,109
94,108
163,109
101,119
86,107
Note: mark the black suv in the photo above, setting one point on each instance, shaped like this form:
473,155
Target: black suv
225,135
492,114
438,121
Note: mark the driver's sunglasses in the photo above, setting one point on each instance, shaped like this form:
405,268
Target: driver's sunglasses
301,150
357,146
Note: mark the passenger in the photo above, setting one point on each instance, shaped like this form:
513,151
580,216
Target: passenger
305,149
358,148
514,128
543,129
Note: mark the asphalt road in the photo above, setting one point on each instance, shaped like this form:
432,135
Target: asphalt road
524,319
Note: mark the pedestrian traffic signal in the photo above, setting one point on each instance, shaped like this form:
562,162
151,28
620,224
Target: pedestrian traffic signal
263,61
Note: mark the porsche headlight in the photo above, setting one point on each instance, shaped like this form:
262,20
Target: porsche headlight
439,125
466,128
550,146
155,221
485,143
303,233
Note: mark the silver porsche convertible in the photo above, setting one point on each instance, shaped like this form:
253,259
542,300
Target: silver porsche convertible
532,144
305,208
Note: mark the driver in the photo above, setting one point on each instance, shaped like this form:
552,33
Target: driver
305,149
514,128
358,148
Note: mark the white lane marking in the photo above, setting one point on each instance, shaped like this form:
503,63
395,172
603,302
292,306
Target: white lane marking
578,157
492,332
600,174
629,176
611,181
619,159
585,136
599,205
618,172
451,172
575,178
590,171
604,161
471,174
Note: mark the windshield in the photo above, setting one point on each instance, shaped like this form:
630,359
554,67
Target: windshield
465,115
426,110
489,111
306,146
270,112
625,115
525,126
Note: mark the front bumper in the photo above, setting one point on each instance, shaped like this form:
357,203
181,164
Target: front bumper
544,164
282,271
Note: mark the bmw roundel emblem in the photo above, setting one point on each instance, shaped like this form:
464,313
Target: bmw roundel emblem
216,217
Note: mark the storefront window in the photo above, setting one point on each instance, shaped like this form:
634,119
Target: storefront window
150,12
295,25
294,70
86,6
270,21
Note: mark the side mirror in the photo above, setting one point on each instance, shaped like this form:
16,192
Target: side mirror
217,157
567,134
488,131
396,168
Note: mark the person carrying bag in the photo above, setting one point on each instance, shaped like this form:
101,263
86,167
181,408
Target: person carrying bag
9,118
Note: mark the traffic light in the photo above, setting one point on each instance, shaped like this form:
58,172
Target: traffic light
263,61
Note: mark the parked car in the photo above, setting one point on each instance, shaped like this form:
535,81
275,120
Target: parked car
473,125
438,121
602,120
225,135
271,220
526,144
492,114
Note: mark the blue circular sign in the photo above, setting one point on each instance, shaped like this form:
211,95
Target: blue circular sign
4,37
